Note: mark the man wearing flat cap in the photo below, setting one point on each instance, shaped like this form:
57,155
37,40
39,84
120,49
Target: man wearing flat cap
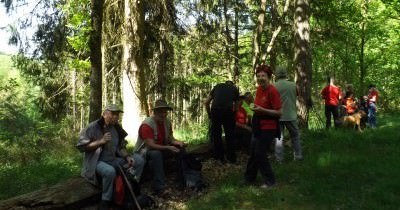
156,141
104,146
288,93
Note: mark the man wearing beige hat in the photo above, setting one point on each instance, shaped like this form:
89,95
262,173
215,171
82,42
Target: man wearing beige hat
288,93
104,145
156,141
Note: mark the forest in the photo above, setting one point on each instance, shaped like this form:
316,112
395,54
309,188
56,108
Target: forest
83,55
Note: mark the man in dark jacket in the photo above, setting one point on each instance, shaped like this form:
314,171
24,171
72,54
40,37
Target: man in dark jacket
104,145
224,97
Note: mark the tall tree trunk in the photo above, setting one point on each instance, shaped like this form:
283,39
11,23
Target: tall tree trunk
228,38
302,59
95,59
258,34
363,70
133,79
236,72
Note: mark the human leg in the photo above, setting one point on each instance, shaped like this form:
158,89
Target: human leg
107,174
252,167
228,123
216,133
372,115
155,158
335,113
328,116
279,144
138,165
293,129
265,141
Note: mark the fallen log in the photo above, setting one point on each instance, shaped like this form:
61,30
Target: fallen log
73,194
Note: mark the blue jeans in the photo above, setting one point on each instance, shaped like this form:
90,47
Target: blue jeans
107,172
372,115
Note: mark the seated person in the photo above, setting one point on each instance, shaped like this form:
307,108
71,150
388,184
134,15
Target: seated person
350,103
242,129
156,142
103,142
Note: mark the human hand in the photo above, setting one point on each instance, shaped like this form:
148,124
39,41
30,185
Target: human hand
130,161
173,148
106,138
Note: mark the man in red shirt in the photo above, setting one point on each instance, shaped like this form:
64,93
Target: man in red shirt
372,99
332,95
267,110
156,141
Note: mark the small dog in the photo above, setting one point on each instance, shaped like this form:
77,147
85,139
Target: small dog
354,120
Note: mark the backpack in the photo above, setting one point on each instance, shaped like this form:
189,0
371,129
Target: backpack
190,173
122,194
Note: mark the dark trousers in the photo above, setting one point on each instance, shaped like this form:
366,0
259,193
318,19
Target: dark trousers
242,139
258,158
223,118
329,111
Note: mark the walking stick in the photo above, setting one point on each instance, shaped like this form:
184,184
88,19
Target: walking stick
129,187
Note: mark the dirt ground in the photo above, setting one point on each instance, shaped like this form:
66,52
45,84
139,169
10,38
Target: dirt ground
212,171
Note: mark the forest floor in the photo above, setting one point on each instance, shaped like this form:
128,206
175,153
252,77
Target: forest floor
213,172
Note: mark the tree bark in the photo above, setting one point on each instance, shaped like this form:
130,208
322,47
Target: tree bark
302,59
258,34
96,60
363,70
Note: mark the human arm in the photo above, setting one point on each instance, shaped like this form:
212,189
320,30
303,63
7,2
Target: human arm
152,145
90,139
264,111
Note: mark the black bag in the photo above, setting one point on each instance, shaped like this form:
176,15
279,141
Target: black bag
190,173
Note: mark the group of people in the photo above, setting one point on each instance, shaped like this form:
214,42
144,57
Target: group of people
104,146
338,106
255,123
260,123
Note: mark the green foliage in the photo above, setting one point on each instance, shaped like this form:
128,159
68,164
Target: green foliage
342,169
192,134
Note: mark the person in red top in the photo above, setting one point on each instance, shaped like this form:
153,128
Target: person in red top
372,99
350,103
242,129
267,110
156,142
332,95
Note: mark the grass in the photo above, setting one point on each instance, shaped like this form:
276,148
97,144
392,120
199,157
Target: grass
342,169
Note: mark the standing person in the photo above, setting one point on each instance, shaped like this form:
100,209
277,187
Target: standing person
332,95
156,142
224,97
372,99
288,92
267,110
103,142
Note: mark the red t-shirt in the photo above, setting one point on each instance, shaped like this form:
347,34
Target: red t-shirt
373,96
268,98
146,132
331,94
241,116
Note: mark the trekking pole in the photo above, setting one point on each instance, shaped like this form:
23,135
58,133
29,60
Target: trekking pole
129,187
